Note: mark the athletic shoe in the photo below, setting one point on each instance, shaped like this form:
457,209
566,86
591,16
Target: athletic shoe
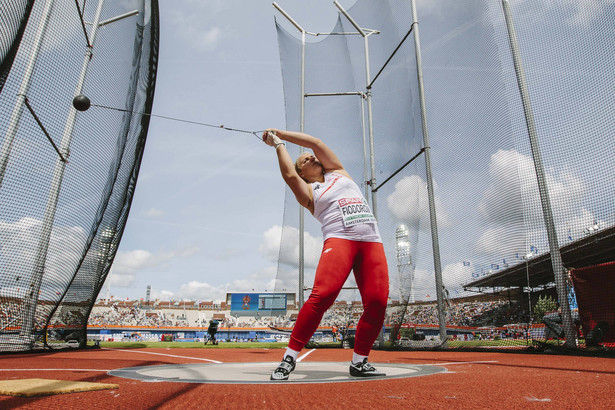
364,369
283,370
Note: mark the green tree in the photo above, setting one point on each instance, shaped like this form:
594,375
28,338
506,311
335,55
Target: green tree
543,306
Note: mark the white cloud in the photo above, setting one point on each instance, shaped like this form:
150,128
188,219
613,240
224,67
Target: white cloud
453,277
566,191
19,243
409,203
513,187
261,281
195,290
579,223
287,280
502,201
127,264
132,261
162,295
283,244
502,240
511,205
423,285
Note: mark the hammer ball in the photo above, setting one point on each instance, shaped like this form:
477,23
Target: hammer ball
81,103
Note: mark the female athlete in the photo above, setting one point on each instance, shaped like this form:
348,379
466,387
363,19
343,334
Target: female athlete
351,242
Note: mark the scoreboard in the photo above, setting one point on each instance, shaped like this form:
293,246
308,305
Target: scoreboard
250,304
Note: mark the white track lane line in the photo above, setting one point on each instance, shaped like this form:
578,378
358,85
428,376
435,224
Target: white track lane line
162,354
304,355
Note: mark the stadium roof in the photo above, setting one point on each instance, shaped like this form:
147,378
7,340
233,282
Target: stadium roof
591,250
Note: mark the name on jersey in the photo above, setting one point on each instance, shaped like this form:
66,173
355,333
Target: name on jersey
355,211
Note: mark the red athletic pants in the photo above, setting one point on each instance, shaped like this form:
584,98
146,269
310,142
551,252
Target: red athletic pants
338,258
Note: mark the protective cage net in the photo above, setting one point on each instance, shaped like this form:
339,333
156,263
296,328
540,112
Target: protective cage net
13,19
498,284
67,177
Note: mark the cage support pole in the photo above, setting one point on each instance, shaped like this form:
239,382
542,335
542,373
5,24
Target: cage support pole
364,136
11,131
370,122
368,98
435,243
301,209
556,257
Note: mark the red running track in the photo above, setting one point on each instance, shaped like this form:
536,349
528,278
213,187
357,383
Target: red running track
473,380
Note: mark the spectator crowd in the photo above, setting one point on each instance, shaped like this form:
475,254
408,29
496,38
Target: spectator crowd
341,314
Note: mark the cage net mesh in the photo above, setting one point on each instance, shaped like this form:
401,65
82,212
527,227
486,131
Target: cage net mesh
62,213
13,20
498,281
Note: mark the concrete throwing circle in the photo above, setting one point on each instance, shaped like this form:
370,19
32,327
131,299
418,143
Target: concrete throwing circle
257,373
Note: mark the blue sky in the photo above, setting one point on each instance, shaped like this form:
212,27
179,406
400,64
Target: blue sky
209,203
206,198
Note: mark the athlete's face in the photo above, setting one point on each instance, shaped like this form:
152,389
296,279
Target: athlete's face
308,166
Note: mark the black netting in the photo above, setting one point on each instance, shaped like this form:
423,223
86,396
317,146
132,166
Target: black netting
61,221
496,266
13,20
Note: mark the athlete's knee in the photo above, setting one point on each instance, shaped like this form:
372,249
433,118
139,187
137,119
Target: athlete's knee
320,301
375,305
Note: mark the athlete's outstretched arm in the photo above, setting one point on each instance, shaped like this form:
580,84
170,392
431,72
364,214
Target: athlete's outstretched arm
325,155
301,189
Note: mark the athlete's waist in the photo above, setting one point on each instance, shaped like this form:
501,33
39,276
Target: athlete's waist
366,232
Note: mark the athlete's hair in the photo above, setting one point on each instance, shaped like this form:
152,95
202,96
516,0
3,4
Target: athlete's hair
298,169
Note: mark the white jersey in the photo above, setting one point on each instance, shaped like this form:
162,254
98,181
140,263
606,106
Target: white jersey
342,210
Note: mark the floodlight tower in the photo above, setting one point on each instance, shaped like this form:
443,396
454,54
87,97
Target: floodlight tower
405,268
105,248
147,296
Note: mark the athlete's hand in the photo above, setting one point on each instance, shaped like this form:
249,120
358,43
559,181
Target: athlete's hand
270,138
